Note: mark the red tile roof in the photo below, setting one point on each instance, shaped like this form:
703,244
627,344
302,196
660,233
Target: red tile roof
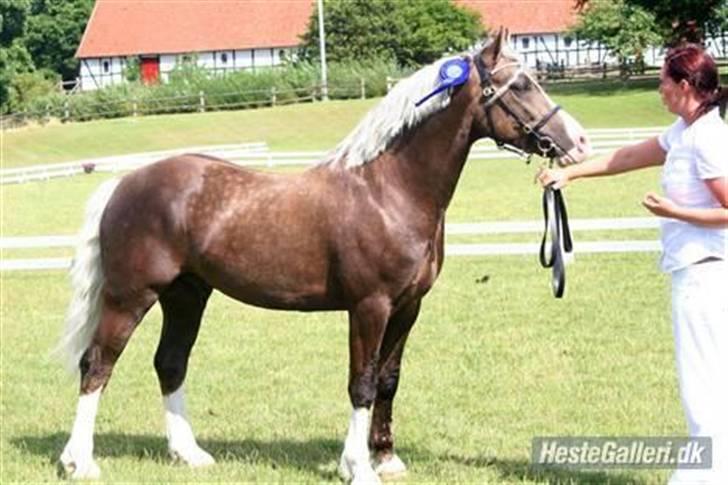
524,16
131,27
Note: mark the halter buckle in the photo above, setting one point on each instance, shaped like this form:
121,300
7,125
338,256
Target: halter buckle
545,145
488,91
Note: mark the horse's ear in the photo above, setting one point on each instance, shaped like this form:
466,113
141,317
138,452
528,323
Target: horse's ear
495,48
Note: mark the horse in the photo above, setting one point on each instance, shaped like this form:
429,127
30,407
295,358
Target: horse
361,231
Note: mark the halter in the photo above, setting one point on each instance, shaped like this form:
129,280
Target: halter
492,96
556,242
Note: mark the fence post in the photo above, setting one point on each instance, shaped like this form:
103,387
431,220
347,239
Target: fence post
363,88
604,70
134,107
389,84
66,110
48,112
273,96
202,101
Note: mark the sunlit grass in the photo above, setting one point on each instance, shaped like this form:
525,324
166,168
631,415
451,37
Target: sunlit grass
491,363
488,367
313,126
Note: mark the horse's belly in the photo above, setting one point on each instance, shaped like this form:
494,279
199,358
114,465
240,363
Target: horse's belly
277,284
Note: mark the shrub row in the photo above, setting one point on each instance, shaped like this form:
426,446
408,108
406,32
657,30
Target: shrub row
191,88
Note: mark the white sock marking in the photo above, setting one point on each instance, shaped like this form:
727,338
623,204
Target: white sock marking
77,456
182,443
354,462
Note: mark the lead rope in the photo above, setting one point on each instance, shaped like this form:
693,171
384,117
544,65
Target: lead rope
556,237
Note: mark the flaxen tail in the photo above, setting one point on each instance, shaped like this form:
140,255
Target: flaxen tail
87,280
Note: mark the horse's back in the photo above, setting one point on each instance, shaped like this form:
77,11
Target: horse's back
235,228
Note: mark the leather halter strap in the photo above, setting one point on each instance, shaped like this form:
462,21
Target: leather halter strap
556,242
492,96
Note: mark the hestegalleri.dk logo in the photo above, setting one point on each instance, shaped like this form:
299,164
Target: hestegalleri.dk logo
600,452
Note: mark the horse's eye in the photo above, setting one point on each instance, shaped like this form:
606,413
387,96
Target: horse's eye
523,84
520,86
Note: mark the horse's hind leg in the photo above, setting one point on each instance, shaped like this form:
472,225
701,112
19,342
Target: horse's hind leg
386,463
116,325
182,304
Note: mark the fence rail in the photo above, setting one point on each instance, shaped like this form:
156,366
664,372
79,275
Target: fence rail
77,108
258,154
482,228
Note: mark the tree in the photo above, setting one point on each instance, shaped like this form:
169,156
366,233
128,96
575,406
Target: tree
626,30
720,24
54,31
13,14
682,20
14,57
409,32
436,26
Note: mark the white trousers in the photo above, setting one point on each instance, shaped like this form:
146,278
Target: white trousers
700,327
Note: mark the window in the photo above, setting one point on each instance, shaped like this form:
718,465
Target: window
106,66
525,42
224,58
567,41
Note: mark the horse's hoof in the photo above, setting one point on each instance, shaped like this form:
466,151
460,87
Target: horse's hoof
390,467
78,469
357,474
345,472
194,457
365,476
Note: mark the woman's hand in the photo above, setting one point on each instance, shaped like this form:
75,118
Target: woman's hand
660,206
556,176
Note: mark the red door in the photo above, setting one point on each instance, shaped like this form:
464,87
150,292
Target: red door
150,70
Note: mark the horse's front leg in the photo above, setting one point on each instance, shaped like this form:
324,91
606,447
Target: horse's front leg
386,462
367,322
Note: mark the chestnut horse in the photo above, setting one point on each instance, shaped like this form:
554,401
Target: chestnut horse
360,232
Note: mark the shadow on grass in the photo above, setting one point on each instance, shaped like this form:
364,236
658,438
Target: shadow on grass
308,456
522,470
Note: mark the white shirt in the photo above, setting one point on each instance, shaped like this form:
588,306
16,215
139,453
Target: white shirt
694,153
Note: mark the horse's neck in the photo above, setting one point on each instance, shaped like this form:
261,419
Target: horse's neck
430,159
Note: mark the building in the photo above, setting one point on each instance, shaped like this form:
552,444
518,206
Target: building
224,35
538,29
540,33
159,35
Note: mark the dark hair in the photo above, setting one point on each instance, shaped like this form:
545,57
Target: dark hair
691,63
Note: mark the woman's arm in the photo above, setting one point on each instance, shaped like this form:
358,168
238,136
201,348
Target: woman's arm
641,155
712,217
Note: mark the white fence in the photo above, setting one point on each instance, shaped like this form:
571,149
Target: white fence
258,154
512,227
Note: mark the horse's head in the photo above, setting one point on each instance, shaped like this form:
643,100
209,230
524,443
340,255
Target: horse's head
513,109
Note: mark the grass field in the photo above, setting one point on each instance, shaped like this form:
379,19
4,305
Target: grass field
283,128
488,367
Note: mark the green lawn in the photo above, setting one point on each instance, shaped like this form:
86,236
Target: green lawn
316,126
489,365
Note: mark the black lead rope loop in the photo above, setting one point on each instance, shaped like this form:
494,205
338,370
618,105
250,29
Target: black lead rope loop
557,237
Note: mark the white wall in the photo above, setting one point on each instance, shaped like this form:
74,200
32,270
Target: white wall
101,72
552,48
93,76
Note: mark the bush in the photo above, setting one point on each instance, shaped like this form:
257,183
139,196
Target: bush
229,90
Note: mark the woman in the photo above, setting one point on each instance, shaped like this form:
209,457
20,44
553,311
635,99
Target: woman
694,155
